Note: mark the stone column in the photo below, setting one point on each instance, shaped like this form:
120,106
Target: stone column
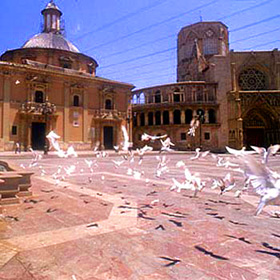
206,116
146,118
161,117
183,118
66,113
6,108
170,117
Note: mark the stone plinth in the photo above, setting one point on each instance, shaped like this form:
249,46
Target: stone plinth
9,188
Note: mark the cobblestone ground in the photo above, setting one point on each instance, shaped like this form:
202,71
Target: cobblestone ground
107,224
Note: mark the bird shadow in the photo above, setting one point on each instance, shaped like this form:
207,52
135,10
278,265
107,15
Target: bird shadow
237,223
239,238
275,251
209,253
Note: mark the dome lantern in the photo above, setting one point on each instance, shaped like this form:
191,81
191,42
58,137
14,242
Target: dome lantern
52,16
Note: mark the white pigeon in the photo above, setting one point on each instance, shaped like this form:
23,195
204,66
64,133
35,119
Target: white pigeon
193,126
118,163
53,139
69,170
199,154
166,145
71,152
239,152
266,152
126,144
147,137
263,181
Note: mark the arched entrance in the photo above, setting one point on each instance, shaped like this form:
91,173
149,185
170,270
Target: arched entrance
260,128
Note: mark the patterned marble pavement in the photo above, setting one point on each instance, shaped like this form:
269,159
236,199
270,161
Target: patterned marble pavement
114,226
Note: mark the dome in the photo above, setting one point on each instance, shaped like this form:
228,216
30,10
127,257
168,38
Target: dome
50,41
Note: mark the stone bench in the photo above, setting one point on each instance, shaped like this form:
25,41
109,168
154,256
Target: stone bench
9,188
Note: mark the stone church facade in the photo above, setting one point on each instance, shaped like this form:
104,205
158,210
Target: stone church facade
235,95
47,84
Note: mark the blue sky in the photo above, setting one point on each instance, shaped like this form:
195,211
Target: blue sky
135,40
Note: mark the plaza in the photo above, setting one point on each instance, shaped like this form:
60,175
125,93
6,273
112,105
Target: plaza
101,222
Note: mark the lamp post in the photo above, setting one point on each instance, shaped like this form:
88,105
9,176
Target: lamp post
200,118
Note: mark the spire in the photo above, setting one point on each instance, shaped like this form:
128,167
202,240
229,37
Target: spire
52,16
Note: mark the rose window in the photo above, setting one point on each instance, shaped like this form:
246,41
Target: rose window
252,79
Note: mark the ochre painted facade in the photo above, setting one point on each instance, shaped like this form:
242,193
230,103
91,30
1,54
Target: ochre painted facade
49,85
245,109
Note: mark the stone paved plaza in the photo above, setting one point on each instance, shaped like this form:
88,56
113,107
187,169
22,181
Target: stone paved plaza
110,225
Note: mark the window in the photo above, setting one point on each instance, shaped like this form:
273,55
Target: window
188,116
157,96
75,123
177,117
150,118
76,100
142,98
134,119
134,99
108,104
66,65
252,79
207,136
39,96
14,130
183,136
158,116
212,116
165,117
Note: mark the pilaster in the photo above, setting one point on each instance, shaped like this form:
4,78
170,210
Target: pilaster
6,107
66,113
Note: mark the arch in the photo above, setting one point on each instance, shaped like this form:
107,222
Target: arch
39,96
201,115
142,119
166,117
177,117
260,127
158,117
142,98
150,118
188,116
210,43
252,79
108,104
76,100
134,99
212,116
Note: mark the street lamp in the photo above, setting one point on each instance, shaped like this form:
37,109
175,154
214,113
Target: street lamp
200,118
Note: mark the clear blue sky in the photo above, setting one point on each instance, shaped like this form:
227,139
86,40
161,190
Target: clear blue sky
135,40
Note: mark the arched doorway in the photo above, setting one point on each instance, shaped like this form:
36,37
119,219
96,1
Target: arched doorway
260,128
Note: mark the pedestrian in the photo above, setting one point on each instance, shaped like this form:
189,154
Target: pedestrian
17,148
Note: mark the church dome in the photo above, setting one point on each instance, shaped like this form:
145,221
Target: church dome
50,41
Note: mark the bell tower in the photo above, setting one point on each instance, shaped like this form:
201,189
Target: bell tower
52,16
